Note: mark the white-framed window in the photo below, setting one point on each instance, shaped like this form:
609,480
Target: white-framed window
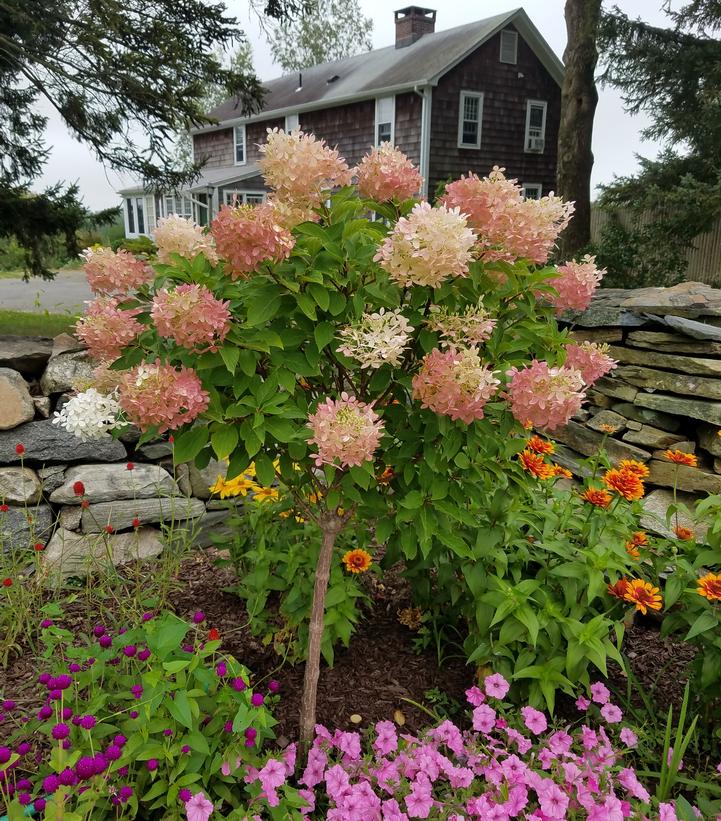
239,145
236,197
535,139
135,216
292,121
531,190
470,118
509,47
385,120
177,204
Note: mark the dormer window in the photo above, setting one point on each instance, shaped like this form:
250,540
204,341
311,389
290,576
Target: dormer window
509,46
239,144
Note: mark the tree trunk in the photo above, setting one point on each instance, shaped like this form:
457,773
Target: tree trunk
331,525
578,105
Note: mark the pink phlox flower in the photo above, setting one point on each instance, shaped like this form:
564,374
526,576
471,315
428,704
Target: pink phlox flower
289,757
386,740
546,758
627,778
600,694
591,359
272,776
534,720
155,395
583,703
496,686
385,173
484,718
575,284
630,739
429,762
321,734
106,328
493,773
249,235
460,777
345,429
308,797
315,767
427,247
560,742
455,383
191,316
572,773
114,272
553,801
447,733
669,758
544,397
349,744
198,808
612,713
177,235
392,811
523,744
509,227
517,800
610,810
514,769
337,783
420,800
475,696
667,812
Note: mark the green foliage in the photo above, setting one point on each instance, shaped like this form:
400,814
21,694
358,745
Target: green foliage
139,246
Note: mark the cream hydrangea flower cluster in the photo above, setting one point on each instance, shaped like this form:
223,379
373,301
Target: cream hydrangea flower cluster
114,272
177,235
471,327
378,339
89,415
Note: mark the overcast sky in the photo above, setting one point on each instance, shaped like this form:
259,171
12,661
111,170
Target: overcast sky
616,134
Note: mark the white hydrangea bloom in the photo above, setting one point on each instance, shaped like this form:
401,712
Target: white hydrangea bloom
377,339
89,415
472,327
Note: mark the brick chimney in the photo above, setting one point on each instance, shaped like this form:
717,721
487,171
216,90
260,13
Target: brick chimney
412,23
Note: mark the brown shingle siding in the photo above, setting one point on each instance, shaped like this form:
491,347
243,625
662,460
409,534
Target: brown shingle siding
214,148
408,125
349,128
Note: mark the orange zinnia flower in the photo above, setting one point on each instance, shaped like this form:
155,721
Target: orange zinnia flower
709,586
633,551
681,458
538,445
597,497
618,589
624,482
386,476
535,464
683,533
357,561
644,595
634,467
608,428
638,539
561,471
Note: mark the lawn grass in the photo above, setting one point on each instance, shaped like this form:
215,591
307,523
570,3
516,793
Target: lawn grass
25,323
17,274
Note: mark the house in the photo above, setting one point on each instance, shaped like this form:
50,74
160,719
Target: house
464,99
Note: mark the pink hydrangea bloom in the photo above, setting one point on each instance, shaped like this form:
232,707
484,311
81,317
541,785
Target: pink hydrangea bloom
496,686
600,694
544,397
106,329
427,247
178,235
575,284
192,316
198,808
455,383
385,173
155,395
591,359
248,235
508,226
345,429
301,168
534,719
114,272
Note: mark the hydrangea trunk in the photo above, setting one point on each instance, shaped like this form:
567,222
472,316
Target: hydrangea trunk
331,525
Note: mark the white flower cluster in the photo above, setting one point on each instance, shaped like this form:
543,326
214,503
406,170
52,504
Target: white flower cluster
472,327
89,415
377,339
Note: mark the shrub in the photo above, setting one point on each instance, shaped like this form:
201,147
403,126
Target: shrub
142,246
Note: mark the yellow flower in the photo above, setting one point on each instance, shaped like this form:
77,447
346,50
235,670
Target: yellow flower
237,486
357,561
265,494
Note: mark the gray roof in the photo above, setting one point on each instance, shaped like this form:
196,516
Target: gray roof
208,177
387,69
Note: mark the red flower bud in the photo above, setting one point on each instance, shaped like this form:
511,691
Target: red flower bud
213,634
130,466
171,439
39,546
108,528
79,489
7,582
85,503
136,522
4,508
19,449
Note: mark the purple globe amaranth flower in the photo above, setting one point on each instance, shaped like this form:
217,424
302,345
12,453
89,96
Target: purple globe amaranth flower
188,648
198,617
134,714
152,764
45,712
99,630
24,799
238,684
147,616
62,682
185,749
105,641
67,777
9,705
45,623
66,744
129,650
137,690
120,740
184,794
221,669
39,804
122,631
113,752
50,783
144,655
23,748
250,742
60,731
167,732
125,793
44,678
88,722
55,695
100,763
122,771
273,686
257,699
76,720
85,768
250,732
67,713
5,753
74,668
228,727
24,784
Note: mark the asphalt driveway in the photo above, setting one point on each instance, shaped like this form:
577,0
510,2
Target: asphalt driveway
64,294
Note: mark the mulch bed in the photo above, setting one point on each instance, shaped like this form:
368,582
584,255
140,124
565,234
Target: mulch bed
375,675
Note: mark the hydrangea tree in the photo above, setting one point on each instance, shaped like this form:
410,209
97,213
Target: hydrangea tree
376,354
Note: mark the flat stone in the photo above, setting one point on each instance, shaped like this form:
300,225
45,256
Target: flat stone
687,299
607,418
690,479
156,450
569,459
16,404
70,516
201,479
690,327
22,527
182,477
19,486
612,386
599,399
120,514
52,477
597,335
46,443
65,370
581,415
26,354
66,343
631,425
42,406
656,505
701,409
589,442
686,385
603,314
709,439
672,343
717,465
105,483
666,361
75,554
647,416
651,437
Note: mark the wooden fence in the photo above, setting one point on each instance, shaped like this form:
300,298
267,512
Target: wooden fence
704,259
